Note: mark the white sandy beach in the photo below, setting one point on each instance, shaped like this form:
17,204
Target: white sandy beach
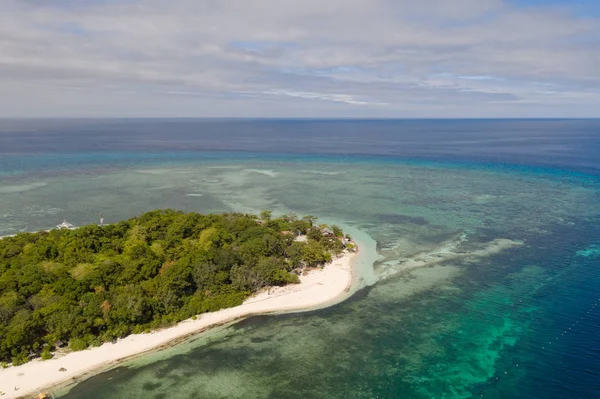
319,288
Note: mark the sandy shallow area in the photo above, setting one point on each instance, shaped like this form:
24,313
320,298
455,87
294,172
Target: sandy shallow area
317,289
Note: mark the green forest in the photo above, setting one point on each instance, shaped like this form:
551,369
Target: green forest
95,284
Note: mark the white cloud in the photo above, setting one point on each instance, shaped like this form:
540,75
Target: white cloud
342,98
296,58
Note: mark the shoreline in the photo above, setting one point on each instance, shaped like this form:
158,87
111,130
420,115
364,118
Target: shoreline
317,289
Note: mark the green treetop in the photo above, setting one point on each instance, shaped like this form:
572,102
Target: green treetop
94,284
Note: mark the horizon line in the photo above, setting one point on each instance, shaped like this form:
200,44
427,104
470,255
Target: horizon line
349,118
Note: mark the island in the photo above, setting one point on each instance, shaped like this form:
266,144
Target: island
74,300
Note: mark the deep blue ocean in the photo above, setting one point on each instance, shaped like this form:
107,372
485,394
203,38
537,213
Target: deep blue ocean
521,322
563,144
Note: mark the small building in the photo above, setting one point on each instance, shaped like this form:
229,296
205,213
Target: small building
327,232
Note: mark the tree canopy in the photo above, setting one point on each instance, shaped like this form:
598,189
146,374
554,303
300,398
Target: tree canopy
98,283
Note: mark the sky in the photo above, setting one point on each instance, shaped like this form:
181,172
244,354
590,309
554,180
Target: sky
300,58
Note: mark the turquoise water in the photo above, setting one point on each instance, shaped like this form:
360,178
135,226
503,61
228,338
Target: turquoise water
456,329
512,312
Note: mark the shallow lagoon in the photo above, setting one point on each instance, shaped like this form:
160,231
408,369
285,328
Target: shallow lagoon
454,329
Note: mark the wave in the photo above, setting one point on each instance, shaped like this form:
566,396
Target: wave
267,172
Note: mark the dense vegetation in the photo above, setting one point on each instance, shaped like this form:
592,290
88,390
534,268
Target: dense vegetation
94,284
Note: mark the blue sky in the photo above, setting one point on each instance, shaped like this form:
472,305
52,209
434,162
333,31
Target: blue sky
310,58
584,6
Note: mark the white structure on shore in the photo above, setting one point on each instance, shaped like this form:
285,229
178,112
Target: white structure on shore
65,225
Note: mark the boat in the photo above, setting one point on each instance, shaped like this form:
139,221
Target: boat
65,225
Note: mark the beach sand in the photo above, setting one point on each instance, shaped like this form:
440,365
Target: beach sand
317,289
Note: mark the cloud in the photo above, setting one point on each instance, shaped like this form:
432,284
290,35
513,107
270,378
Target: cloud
395,58
342,98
